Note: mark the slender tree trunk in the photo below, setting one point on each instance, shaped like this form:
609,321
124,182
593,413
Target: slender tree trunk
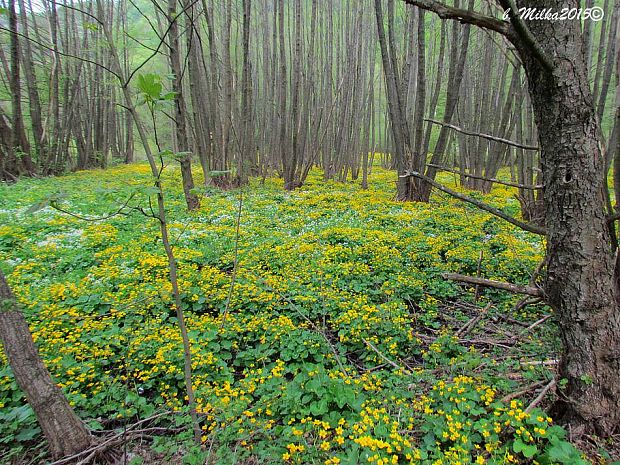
20,145
33,92
180,122
247,129
457,65
163,227
397,118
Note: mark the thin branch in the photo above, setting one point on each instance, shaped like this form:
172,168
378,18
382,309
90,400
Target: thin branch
514,395
614,217
493,180
465,16
312,324
467,327
540,396
159,45
51,49
105,444
384,358
79,10
514,288
501,140
97,218
483,206
516,30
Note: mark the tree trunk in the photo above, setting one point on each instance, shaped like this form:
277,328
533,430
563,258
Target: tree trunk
20,145
580,285
400,131
64,431
180,120
244,161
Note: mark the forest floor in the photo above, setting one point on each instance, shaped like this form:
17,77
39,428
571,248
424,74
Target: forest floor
329,337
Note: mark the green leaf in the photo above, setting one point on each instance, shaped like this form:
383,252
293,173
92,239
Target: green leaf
319,408
150,85
180,156
528,450
561,452
91,26
149,190
28,434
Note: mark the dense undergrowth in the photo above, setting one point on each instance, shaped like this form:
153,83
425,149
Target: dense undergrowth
341,343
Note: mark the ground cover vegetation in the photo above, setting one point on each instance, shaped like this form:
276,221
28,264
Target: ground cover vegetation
322,332
276,304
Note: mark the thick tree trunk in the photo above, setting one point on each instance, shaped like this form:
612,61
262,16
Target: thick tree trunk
582,276
64,431
580,285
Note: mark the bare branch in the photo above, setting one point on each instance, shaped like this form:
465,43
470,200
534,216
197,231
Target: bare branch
514,288
387,360
162,41
97,218
501,140
465,16
51,48
493,180
483,206
540,396
516,30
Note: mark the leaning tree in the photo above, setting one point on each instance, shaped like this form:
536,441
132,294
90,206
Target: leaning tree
581,283
66,434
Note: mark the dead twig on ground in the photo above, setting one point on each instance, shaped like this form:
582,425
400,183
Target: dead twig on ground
540,396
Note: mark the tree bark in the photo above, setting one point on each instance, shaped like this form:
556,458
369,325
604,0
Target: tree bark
580,283
64,431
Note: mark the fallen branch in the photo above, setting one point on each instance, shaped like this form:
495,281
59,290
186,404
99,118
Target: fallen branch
505,344
484,136
467,327
514,288
383,357
536,323
108,443
483,206
514,395
540,396
539,362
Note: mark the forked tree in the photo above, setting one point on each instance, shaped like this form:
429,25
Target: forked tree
581,283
